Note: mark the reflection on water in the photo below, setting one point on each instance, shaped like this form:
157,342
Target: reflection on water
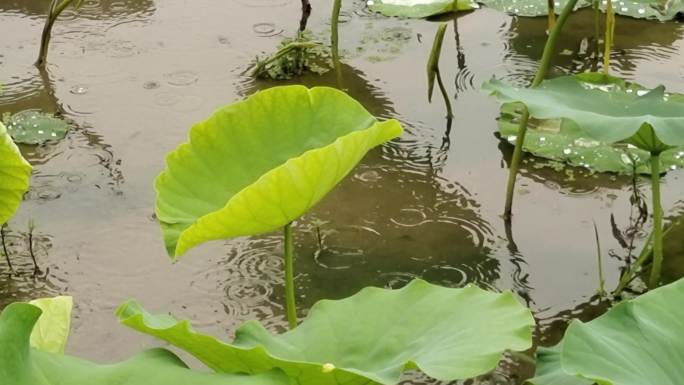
132,76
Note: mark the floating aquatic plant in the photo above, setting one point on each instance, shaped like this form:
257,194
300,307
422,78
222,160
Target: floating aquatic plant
257,165
35,127
419,8
293,58
23,362
370,337
650,120
563,140
637,342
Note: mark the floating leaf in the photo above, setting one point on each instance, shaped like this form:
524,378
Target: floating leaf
529,8
15,172
22,365
637,342
257,165
662,10
51,332
419,8
36,127
606,108
563,140
372,336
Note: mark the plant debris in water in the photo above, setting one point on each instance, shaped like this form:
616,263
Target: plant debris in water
294,57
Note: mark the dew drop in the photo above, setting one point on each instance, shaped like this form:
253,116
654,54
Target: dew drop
567,151
641,11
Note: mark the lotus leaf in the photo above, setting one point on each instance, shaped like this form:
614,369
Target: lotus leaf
529,8
35,127
637,342
640,9
550,371
419,8
23,365
15,172
563,140
257,165
370,337
661,10
606,112
51,332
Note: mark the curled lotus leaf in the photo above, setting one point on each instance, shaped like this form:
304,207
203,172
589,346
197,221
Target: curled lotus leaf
257,165
370,337
606,109
15,172
21,364
637,342
419,8
51,332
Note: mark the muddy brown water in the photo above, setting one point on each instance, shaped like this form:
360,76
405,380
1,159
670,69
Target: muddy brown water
133,76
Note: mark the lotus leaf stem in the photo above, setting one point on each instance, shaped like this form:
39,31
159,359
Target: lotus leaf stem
445,94
334,30
549,50
291,306
306,12
610,36
56,8
657,222
4,247
552,13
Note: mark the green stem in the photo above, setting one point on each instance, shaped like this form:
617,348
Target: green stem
290,303
445,94
549,50
334,29
657,222
296,45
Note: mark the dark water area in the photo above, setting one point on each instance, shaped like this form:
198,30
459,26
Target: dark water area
133,76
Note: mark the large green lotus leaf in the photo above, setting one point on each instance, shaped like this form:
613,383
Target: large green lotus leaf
550,372
605,113
562,140
370,337
51,332
637,342
261,163
22,365
419,8
15,172
36,127
529,8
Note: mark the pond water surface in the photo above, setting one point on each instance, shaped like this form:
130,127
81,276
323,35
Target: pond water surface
134,75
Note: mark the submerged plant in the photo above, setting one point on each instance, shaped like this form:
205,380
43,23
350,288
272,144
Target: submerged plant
33,335
637,342
257,165
650,120
56,9
370,337
433,70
